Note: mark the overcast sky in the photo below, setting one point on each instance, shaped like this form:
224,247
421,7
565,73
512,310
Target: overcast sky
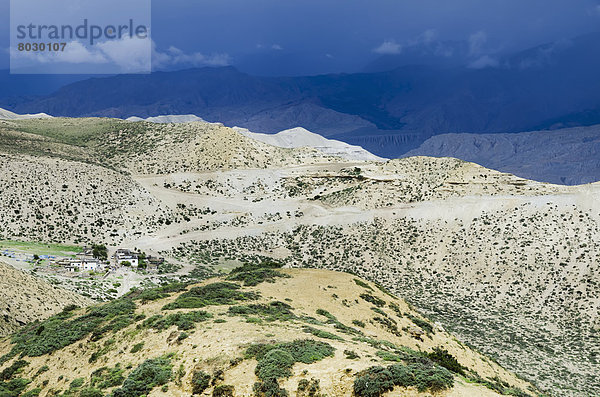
345,35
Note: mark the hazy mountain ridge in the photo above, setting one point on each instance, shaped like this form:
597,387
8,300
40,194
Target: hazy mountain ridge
387,113
566,156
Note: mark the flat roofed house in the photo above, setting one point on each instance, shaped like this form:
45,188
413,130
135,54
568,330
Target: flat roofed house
124,255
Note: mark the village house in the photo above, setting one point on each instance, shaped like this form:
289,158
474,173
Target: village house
77,264
152,263
122,256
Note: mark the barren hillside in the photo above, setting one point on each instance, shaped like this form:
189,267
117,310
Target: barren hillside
509,265
25,298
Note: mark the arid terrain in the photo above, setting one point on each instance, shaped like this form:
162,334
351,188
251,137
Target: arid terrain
24,299
509,266
258,329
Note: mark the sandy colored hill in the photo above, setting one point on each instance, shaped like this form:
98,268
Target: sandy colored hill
25,298
511,266
8,115
301,137
347,327
51,199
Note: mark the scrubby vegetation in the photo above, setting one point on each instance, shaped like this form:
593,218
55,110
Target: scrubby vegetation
150,374
446,360
377,380
308,388
270,312
224,391
13,388
137,347
361,283
183,321
276,361
154,294
253,274
424,325
331,319
320,333
13,369
221,293
59,331
373,299
200,382
306,351
104,378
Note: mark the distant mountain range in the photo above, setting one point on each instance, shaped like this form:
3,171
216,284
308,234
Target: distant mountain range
388,113
568,156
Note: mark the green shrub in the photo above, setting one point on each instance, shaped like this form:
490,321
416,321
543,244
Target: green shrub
424,325
224,391
379,311
154,294
396,309
351,354
254,274
91,392
32,393
306,351
361,283
116,324
42,369
269,388
373,382
183,321
77,383
277,363
137,347
272,311
308,388
200,382
150,374
212,294
321,334
446,360
384,290
373,299
70,308
15,367
331,319
62,330
358,323
377,380
389,324
104,378
14,387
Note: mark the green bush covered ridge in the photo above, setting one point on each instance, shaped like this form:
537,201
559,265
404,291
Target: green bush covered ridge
261,331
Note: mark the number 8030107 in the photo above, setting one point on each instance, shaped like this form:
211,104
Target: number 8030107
37,47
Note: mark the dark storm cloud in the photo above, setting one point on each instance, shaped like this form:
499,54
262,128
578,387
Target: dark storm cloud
350,31
345,34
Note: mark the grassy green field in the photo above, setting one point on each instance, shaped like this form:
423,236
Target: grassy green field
77,132
39,248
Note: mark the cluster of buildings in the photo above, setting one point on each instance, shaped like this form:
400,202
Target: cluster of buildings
85,261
